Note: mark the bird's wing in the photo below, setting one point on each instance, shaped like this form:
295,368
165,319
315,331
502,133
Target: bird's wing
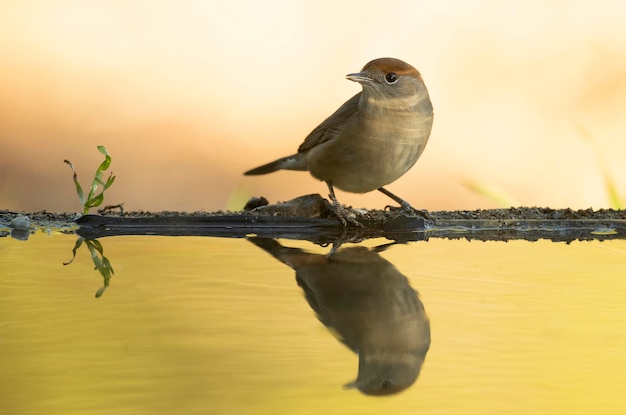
331,125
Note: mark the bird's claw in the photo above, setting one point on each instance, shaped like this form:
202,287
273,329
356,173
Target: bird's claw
345,216
408,209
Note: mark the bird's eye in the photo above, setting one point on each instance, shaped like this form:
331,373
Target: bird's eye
391,78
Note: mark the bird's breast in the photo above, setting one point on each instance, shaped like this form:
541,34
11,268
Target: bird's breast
371,151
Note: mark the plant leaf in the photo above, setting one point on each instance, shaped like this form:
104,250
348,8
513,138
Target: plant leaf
79,189
96,200
109,182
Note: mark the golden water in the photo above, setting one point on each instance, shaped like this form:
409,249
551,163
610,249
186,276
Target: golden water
206,325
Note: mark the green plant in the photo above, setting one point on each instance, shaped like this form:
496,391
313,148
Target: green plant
94,198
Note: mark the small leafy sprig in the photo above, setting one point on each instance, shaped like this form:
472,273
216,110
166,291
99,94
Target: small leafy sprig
94,198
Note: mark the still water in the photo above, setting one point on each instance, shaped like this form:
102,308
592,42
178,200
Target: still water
199,325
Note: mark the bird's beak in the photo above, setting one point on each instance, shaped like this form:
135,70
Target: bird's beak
360,77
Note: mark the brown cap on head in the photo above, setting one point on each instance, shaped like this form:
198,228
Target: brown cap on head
384,70
387,65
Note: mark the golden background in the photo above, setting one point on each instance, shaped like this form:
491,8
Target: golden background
529,98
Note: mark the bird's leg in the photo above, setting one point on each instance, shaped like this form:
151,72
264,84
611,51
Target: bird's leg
404,205
342,213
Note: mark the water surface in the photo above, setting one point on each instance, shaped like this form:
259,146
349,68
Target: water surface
208,325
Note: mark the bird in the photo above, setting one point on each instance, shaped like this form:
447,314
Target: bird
369,305
371,140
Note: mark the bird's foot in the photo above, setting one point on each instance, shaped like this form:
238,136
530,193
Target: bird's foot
404,205
345,215
408,209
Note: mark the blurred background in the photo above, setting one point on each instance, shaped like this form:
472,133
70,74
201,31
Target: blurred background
529,98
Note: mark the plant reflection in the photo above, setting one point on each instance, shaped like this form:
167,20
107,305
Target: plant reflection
364,299
101,263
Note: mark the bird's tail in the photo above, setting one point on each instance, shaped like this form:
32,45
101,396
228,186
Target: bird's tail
293,162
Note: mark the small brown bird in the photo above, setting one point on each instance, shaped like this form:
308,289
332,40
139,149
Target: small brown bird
372,139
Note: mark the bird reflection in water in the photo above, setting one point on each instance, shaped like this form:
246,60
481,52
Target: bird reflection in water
364,299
